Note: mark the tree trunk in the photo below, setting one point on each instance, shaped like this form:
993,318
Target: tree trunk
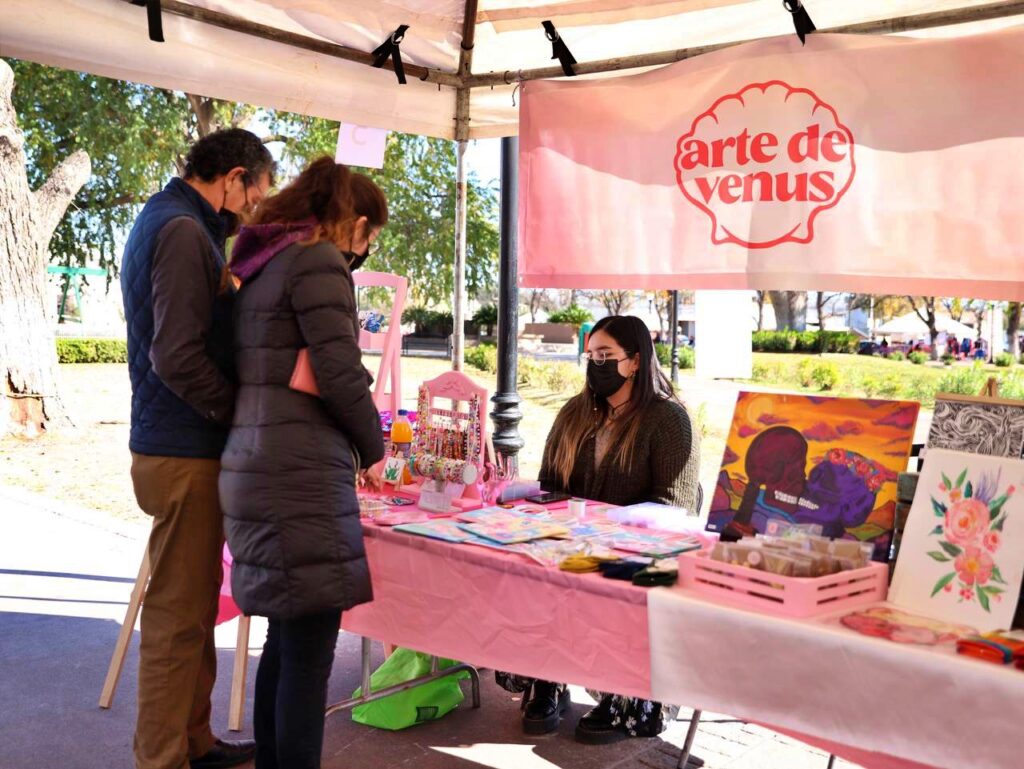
1013,312
760,309
790,309
28,354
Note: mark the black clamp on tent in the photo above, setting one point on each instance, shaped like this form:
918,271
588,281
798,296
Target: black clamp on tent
389,48
156,27
801,19
559,50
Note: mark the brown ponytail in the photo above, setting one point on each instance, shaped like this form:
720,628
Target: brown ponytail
322,192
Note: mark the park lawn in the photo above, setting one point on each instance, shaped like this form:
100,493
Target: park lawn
876,377
88,463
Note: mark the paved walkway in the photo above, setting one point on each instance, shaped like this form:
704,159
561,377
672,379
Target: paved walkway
65,578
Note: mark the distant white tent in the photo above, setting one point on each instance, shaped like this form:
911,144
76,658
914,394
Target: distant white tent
911,325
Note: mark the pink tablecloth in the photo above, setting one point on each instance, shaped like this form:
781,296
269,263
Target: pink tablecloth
502,611
900,706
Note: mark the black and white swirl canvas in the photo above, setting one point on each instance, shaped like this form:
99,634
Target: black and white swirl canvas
978,426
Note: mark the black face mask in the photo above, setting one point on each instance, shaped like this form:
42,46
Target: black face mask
355,261
605,380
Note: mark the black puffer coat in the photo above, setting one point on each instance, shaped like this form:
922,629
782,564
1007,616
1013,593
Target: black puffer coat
287,482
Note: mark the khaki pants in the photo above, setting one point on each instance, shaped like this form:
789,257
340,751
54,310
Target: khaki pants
177,658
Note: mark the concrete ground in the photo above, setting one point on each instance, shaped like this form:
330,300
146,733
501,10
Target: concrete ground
64,584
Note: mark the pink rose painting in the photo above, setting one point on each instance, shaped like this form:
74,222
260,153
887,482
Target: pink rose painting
969,537
961,558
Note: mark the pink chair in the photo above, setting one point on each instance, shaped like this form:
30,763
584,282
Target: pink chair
387,389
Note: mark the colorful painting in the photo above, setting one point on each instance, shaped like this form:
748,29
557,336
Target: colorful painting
515,529
901,627
962,555
809,459
978,425
653,545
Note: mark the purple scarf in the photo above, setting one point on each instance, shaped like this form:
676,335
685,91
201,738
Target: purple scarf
257,244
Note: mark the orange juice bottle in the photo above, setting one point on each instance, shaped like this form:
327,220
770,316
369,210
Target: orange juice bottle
401,440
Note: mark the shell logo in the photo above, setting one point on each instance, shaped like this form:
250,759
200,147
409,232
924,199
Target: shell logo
764,162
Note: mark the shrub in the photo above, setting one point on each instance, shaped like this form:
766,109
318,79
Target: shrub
1004,360
687,357
92,350
483,357
892,386
826,376
965,381
486,316
664,354
429,322
870,385
574,315
805,372
896,355
563,377
918,358
808,341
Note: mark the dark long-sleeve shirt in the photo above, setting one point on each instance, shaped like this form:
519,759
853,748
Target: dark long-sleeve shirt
185,284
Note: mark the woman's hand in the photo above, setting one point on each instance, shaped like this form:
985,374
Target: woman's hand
372,479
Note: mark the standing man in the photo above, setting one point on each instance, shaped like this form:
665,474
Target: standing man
177,304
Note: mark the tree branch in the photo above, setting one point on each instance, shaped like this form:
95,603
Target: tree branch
56,194
913,303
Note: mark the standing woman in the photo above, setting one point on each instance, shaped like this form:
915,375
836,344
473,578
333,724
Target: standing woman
624,439
289,472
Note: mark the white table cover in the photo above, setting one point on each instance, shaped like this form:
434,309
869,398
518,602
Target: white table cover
915,704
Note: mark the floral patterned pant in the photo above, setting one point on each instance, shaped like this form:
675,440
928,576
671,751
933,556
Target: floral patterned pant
636,717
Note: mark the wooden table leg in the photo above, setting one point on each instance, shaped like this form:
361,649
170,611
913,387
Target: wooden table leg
125,636
236,711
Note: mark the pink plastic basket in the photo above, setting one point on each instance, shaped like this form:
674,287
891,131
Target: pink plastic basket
785,596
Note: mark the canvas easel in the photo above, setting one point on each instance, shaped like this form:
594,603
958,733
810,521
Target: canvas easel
387,394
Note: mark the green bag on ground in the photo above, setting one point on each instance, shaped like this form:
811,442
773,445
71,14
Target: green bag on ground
427,702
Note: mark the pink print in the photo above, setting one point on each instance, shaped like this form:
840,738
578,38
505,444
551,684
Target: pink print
965,521
974,566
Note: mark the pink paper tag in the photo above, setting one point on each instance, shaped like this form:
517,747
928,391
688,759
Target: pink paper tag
361,146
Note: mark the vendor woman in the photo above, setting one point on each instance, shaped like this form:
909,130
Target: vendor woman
624,439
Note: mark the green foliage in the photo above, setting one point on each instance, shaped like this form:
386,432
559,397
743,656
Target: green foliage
429,322
967,380
92,350
805,372
1004,360
573,315
483,357
826,376
133,133
487,316
896,355
805,341
418,180
918,358
687,359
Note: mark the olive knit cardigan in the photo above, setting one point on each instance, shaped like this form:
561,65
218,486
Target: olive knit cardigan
665,464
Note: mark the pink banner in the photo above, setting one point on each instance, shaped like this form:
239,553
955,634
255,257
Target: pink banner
856,163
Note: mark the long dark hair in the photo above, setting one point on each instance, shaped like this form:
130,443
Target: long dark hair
581,417
332,195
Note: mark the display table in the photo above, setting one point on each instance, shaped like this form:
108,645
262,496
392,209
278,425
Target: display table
502,611
899,705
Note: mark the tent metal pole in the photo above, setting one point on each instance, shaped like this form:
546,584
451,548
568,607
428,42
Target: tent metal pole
462,118
674,331
506,414
895,25
316,45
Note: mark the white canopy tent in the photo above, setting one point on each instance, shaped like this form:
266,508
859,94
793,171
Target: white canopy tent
911,325
464,60
311,56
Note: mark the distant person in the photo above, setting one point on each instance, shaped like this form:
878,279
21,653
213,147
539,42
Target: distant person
178,304
952,346
965,347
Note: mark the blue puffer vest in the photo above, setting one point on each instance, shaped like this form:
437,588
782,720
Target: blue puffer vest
162,423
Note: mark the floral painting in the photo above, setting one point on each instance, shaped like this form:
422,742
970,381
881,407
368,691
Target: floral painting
962,556
816,460
903,628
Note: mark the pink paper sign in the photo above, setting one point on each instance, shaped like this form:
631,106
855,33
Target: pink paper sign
856,163
361,146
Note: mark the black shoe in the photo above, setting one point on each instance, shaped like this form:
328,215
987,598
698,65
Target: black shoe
224,754
544,704
596,728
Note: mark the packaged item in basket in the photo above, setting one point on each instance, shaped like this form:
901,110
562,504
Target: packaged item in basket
779,563
1001,647
786,530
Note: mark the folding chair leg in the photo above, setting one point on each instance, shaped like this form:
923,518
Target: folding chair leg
125,636
831,762
691,734
236,710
